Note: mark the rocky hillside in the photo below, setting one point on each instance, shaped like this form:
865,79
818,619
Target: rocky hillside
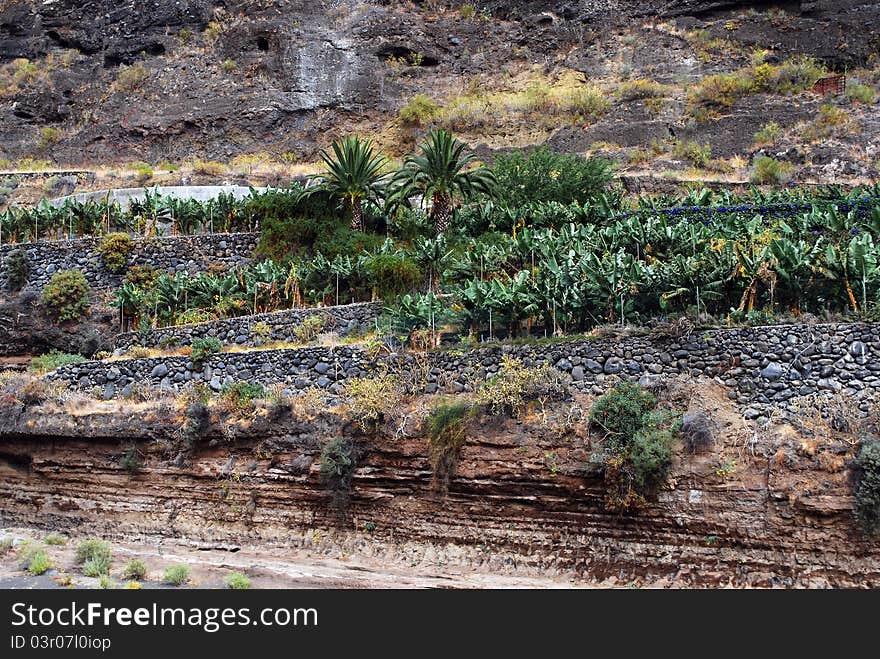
243,81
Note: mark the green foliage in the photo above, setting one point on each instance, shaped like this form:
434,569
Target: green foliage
447,431
240,396
238,581
35,561
697,154
354,173
867,485
641,89
443,173
309,329
542,175
55,539
135,570
67,295
770,171
114,250
49,135
106,583
176,575
636,454
516,384
859,93
338,462
131,459
370,399
53,360
620,413
17,269
143,171
393,275
93,549
95,567
204,347
770,133
419,111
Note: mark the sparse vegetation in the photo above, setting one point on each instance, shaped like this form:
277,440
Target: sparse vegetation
309,329
420,111
859,93
114,250
238,581
53,360
67,295
238,397
370,399
55,539
49,135
697,154
867,485
770,133
770,171
130,78
17,269
94,553
176,575
135,570
34,560
447,431
338,462
203,348
515,385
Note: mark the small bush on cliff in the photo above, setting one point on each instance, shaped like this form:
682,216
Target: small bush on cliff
447,432
238,581
176,575
636,451
67,295
371,399
867,485
239,397
135,570
53,360
515,385
34,560
131,459
202,348
94,555
338,463
114,250
18,268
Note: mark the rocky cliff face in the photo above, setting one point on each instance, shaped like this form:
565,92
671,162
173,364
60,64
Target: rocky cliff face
173,79
761,507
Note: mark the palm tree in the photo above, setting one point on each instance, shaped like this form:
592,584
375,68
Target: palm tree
354,173
440,173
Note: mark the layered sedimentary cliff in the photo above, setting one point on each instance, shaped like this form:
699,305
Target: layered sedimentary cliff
767,507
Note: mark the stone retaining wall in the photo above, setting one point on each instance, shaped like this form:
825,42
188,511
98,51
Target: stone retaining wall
277,326
764,365
170,253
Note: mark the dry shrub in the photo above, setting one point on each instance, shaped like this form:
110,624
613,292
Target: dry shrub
371,399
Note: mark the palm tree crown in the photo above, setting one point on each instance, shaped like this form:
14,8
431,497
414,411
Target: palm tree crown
355,172
440,173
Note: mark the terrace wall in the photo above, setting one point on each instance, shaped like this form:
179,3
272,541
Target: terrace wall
764,365
281,326
190,254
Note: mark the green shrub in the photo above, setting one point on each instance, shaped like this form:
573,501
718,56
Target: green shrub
640,89
309,329
143,171
114,250
131,459
769,171
338,463
636,453
135,570
106,583
55,539
67,295
393,275
17,269
49,135
35,561
131,78
859,93
541,175
620,413
419,111
204,347
176,575
831,122
697,154
239,397
93,549
447,431
53,360
515,385
770,133
867,485
371,399
95,567
238,581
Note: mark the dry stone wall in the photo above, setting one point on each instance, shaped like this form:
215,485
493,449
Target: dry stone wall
190,254
761,365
